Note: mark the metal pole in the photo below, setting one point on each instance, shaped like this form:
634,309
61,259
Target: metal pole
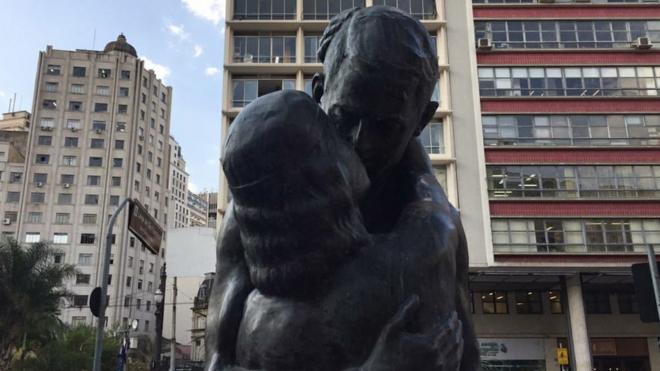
160,309
98,347
655,277
173,342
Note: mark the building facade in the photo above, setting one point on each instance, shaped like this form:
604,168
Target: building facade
178,186
14,132
199,210
199,314
212,200
101,132
571,130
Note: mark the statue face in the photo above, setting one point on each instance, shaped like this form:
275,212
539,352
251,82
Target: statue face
386,113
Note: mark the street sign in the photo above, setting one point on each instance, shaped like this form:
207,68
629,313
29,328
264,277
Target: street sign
644,294
145,227
95,301
562,356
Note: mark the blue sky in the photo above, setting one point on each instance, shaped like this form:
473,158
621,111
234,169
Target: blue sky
182,39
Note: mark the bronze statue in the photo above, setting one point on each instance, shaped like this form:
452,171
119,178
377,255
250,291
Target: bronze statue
340,250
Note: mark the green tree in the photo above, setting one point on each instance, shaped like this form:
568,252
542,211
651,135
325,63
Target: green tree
72,349
30,292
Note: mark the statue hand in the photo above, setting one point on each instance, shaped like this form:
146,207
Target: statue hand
438,349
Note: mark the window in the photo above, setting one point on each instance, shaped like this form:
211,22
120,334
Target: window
89,219
58,258
151,267
121,127
65,198
78,320
162,115
13,197
96,143
62,218
79,71
125,75
93,180
142,115
66,179
85,259
326,9
119,144
51,87
138,303
34,217
44,140
152,123
157,178
15,177
130,262
420,9
128,281
49,104
47,123
117,162
87,238
32,237
40,178
311,45
114,200
79,300
100,107
127,303
37,197
42,159
69,160
91,199
104,73
11,215
95,161
72,124
597,302
264,48
104,91
116,181
122,109
131,241
138,167
98,125
53,69
432,138
75,106
627,302
245,91
77,89
139,284
528,302
494,302
123,92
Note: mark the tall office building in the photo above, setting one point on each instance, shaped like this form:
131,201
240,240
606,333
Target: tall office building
571,126
198,208
100,136
178,188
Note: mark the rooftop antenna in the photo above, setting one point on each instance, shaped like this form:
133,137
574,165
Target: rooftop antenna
13,108
94,39
9,108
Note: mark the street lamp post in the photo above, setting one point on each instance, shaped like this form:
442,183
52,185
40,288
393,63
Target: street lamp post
159,298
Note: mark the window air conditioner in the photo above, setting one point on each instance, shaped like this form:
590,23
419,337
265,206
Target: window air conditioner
99,131
67,185
484,44
40,184
6,221
47,128
642,43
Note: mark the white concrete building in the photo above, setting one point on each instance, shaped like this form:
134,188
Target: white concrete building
178,186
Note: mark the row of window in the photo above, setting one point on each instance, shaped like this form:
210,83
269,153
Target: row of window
93,161
102,90
601,181
569,81
60,218
77,106
574,235
102,73
97,143
62,199
579,130
246,89
566,34
49,123
532,302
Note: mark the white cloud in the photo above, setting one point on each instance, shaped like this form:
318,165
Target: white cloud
178,31
211,71
163,72
192,187
2,94
198,50
211,10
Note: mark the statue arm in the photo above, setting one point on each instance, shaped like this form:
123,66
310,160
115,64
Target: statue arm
231,288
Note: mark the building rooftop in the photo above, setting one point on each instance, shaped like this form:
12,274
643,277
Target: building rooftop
121,45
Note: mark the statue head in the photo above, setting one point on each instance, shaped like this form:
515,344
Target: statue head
379,73
295,185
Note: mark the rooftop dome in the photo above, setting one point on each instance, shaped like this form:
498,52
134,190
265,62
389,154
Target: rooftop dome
121,46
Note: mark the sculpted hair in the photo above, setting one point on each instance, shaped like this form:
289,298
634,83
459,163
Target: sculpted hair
292,198
381,38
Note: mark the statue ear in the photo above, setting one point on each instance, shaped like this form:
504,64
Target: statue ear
429,111
317,86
